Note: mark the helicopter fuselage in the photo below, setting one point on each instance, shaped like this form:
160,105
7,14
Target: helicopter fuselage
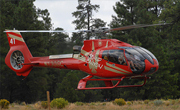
103,58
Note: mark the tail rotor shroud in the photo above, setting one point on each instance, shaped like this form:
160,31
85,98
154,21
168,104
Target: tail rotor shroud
17,59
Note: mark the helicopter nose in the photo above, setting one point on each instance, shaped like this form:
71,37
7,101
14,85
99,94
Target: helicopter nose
151,68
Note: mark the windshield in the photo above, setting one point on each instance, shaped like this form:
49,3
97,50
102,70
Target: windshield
145,55
147,51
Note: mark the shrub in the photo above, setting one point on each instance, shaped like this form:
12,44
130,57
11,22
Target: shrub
92,103
12,104
119,101
44,104
37,105
179,101
167,103
59,103
146,101
140,102
79,103
4,103
104,103
132,102
173,102
158,102
23,103
129,103
98,103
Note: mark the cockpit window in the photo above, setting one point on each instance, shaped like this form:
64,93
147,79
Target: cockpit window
147,51
137,55
145,54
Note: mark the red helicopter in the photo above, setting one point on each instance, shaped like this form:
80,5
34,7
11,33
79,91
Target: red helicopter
108,59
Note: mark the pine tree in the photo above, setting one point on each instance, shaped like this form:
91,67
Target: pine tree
84,15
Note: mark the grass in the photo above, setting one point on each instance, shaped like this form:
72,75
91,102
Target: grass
135,105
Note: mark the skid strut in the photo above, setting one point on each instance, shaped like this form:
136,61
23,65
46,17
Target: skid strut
108,82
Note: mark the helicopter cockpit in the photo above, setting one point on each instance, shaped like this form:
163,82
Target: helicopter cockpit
134,57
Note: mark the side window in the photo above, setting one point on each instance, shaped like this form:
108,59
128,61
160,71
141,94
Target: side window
115,56
105,55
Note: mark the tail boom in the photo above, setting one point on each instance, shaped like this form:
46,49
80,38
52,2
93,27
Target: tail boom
20,60
62,63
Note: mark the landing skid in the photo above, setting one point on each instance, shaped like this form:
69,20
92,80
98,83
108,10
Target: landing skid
108,82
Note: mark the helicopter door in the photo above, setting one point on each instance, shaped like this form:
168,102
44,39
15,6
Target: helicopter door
115,56
135,60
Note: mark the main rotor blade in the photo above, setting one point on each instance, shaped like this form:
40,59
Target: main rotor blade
79,31
133,27
34,31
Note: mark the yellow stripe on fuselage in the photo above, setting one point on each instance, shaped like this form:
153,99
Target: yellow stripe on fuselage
84,52
117,68
113,70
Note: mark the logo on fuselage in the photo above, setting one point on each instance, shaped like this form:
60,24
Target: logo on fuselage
93,59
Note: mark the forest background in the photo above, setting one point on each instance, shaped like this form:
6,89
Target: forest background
162,41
